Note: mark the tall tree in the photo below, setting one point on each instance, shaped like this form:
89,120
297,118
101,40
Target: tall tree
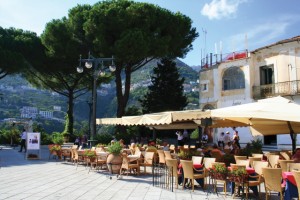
18,50
166,91
65,40
136,33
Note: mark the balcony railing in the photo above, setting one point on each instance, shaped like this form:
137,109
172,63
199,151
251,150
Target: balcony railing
283,89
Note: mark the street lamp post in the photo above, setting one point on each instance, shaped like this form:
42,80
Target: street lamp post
97,64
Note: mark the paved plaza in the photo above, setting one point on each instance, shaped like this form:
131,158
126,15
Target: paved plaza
51,179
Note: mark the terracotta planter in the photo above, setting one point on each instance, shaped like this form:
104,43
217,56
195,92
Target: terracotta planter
114,163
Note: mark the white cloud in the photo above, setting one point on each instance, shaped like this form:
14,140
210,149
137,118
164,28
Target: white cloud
218,9
264,33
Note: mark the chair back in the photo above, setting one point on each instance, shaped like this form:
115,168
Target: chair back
285,155
258,165
293,166
208,161
125,161
283,164
75,154
161,156
272,177
197,159
172,163
260,155
186,146
273,160
149,158
243,162
172,148
137,151
251,159
74,146
167,154
297,178
240,158
187,167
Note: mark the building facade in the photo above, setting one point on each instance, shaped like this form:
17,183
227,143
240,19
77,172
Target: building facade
246,77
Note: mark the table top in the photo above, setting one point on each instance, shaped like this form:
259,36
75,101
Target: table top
290,177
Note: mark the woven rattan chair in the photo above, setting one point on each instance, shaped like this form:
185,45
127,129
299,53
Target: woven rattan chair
161,156
260,155
129,166
283,164
148,160
207,162
273,178
168,155
243,162
99,162
293,166
251,159
240,158
297,178
197,159
285,155
173,165
273,160
189,173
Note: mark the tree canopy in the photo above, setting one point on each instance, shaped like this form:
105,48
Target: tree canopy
136,33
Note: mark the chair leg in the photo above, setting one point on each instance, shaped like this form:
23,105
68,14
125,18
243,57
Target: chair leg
183,183
193,184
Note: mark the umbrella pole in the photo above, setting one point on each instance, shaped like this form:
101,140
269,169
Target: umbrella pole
293,137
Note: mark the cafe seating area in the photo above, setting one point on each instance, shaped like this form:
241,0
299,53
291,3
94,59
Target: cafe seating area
256,175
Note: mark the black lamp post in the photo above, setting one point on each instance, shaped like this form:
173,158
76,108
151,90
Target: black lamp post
97,65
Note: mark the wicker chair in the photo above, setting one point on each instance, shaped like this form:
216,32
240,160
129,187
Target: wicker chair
188,172
293,166
197,159
240,158
148,160
219,180
207,162
173,164
99,162
297,178
168,155
273,178
283,164
285,155
161,156
260,155
251,159
243,162
273,160
128,166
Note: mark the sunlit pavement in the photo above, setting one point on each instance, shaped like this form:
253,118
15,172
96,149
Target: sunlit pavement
55,179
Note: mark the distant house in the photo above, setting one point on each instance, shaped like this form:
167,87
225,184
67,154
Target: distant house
268,71
29,112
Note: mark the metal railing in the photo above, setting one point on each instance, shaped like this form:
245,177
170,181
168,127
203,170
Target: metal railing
163,176
283,89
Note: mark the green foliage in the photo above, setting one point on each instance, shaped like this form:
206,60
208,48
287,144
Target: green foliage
228,158
115,148
11,136
195,134
254,147
187,154
166,91
220,168
89,153
57,138
55,147
45,138
239,171
103,138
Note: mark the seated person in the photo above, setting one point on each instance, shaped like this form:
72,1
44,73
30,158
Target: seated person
166,146
296,156
122,143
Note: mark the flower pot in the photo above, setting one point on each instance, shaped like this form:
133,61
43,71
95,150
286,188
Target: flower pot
114,163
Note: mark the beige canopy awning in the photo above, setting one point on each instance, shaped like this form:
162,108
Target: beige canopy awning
187,119
265,117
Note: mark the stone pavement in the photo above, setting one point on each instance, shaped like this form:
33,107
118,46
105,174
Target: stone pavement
51,179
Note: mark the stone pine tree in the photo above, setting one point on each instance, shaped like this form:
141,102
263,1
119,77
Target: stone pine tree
166,91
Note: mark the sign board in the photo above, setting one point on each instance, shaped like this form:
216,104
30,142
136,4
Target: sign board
33,141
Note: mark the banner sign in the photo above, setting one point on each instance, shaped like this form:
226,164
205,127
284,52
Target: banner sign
33,141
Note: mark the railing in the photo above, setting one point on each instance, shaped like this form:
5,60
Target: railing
213,59
163,176
283,89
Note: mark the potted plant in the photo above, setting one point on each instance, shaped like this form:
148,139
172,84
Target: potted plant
221,171
239,175
114,159
91,155
56,150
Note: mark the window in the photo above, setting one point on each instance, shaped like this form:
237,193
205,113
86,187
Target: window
233,78
204,87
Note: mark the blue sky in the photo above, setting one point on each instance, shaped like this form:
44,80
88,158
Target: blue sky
227,22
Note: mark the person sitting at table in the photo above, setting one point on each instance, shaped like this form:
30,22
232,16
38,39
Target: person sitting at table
122,143
216,152
296,156
166,146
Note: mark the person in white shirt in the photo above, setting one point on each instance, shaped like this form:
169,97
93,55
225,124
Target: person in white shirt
23,140
179,138
221,140
227,138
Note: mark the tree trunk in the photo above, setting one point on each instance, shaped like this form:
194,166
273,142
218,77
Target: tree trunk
70,111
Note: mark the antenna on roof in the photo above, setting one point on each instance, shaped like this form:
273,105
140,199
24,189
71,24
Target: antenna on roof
246,42
204,32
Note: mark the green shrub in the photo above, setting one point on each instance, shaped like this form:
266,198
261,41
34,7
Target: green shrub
103,138
115,148
57,138
195,134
